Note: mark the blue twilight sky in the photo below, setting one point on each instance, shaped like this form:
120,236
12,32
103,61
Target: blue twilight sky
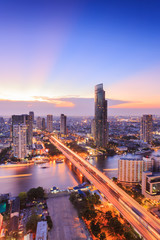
53,53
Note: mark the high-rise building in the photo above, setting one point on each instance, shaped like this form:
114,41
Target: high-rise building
100,117
93,128
156,163
63,126
39,123
27,120
50,123
130,170
148,164
43,124
32,115
146,128
20,140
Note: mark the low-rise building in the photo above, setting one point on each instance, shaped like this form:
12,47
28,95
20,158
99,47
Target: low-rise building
151,185
42,230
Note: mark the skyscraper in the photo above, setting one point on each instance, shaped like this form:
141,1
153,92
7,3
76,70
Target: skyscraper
130,170
20,140
27,120
43,124
100,119
146,128
39,123
50,123
63,127
32,115
93,128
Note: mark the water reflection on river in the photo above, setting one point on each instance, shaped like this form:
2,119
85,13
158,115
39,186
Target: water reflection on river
54,175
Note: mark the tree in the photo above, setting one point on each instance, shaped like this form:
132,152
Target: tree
89,214
94,199
35,193
102,236
32,223
40,192
49,222
114,179
23,198
115,226
108,215
95,228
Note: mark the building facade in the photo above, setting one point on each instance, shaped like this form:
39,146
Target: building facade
27,120
146,131
32,116
43,124
148,163
101,131
39,123
50,123
20,140
63,124
130,170
151,185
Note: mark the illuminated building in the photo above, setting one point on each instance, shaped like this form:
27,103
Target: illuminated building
42,231
39,123
27,120
101,131
50,123
148,163
130,170
146,128
20,140
93,128
151,185
43,124
63,126
156,159
32,116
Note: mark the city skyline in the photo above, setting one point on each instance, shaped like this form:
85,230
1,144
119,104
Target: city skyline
52,56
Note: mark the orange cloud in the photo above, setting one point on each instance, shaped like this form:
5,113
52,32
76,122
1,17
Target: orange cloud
56,102
136,105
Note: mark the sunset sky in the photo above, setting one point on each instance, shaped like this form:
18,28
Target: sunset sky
53,53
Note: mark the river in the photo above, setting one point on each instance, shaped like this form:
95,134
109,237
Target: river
57,175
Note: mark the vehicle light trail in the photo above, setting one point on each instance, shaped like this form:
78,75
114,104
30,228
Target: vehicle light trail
15,176
144,222
110,169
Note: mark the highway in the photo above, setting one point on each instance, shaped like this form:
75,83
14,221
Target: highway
144,222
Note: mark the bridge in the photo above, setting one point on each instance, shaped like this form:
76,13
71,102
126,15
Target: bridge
145,223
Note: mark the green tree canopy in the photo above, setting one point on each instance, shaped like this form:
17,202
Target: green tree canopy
32,223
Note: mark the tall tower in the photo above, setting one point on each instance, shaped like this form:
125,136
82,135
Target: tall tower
100,119
63,127
39,123
50,123
27,120
32,116
146,128
20,140
43,124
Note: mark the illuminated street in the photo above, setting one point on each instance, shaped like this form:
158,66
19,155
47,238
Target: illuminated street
143,221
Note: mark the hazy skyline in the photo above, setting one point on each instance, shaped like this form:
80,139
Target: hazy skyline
53,53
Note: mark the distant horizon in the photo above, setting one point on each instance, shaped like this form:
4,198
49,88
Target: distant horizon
53,55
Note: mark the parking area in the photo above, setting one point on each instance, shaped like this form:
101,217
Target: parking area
66,224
